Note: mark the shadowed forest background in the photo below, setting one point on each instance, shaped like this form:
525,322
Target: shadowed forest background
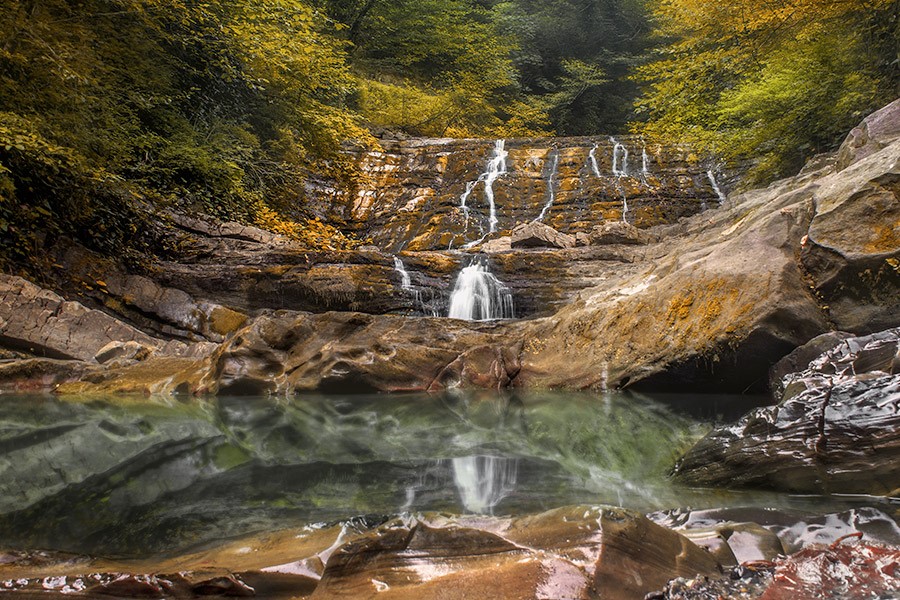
113,110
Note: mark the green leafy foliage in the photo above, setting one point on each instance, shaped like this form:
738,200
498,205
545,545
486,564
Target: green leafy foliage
220,108
769,85
577,56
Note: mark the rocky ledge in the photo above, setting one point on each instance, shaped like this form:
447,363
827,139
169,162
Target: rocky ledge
836,427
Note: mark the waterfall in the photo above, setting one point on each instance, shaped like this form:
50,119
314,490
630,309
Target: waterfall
495,168
405,282
645,164
593,156
551,186
483,481
617,148
463,200
620,173
479,296
715,186
419,303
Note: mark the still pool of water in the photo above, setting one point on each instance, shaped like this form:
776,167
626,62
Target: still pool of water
133,477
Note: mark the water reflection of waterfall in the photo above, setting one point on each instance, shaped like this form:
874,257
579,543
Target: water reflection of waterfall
483,481
495,168
479,296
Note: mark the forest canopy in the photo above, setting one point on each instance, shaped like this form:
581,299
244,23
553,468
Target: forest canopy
111,107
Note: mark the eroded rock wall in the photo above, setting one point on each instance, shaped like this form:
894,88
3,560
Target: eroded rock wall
409,196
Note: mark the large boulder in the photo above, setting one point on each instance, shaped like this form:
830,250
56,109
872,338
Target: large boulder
874,133
538,235
851,253
43,323
288,351
836,429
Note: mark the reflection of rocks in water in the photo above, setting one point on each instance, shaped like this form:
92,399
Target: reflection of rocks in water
483,481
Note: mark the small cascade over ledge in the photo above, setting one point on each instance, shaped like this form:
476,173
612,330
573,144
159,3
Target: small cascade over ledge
419,302
479,296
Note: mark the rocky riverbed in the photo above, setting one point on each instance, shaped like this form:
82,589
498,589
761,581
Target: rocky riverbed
625,269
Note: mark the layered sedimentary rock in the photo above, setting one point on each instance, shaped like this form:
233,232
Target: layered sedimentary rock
411,193
709,302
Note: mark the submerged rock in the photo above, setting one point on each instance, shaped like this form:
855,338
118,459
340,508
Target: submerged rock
836,428
856,572
575,552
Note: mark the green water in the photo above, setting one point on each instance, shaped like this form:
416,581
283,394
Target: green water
143,478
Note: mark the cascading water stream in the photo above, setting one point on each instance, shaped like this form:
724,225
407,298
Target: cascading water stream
617,148
645,163
551,185
619,173
407,286
495,168
593,156
483,481
405,281
479,296
715,186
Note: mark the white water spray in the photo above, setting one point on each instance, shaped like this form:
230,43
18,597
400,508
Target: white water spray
551,186
645,162
619,169
495,168
593,156
405,281
479,296
483,481
619,173
406,285
715,186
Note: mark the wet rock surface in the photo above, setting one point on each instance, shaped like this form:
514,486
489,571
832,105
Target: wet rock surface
573,552
836,428
410,196
847,571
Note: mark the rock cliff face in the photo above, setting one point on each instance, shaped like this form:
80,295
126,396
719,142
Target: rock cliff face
411,194
709,301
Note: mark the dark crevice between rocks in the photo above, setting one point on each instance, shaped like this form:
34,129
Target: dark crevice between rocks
740,370
31,349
